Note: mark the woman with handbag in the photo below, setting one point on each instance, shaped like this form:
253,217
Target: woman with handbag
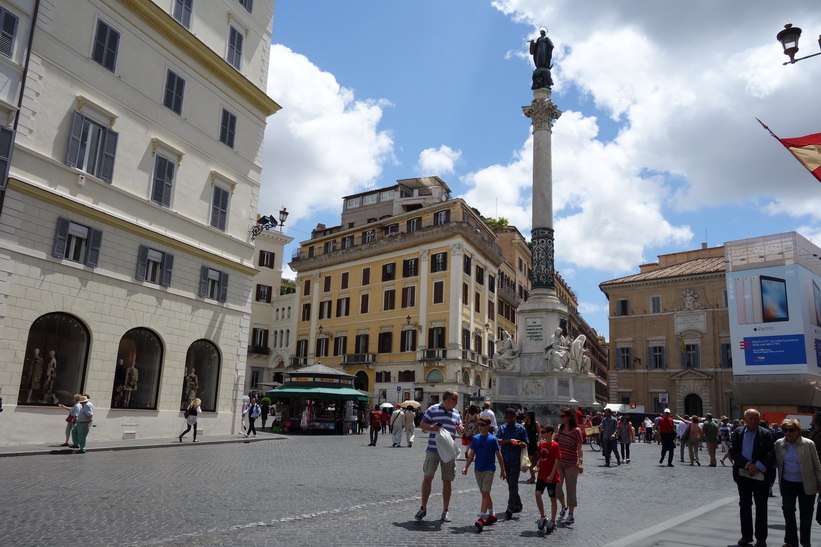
71,419
799,473
191,414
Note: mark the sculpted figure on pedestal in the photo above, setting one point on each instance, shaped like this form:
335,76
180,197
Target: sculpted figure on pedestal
579,360
557,354
506,354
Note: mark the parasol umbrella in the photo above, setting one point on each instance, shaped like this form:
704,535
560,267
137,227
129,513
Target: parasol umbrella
414,404
386,405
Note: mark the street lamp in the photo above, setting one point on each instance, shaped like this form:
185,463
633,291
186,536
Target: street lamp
268,222
789,41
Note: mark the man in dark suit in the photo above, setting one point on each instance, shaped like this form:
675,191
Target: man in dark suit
752,448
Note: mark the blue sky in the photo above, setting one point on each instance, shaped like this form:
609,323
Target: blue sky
657,151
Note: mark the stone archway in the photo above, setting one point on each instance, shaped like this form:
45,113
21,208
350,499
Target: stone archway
693,405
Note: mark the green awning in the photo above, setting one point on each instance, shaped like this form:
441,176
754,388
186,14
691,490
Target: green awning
315,392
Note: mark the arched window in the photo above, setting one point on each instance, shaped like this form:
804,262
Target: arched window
466,377
287,337
274,342
478,380
360,381
202,368
137,372
55,360
276,314
435,375
289,313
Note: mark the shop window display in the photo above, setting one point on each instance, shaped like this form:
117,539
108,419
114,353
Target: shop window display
55,360
202,368
138,370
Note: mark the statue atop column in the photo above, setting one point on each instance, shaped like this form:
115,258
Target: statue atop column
542,50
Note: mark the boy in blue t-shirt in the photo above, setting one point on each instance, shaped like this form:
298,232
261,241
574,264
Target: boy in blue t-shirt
485,447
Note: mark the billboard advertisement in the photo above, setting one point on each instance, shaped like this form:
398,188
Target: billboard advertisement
775,320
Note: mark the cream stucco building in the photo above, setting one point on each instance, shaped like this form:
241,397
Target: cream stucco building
127,267
670,336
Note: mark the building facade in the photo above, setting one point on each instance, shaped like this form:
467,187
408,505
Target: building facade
272,316
670,336
405,296
127,266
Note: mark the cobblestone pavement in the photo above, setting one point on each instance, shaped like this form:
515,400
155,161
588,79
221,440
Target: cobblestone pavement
311,490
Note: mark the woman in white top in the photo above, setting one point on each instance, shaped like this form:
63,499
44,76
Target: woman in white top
799,472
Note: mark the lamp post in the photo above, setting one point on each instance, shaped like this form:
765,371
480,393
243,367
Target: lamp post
268,222
789,41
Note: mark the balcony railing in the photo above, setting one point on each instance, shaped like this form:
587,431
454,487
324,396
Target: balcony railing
353,358
299,361
433,354
259,350
370,234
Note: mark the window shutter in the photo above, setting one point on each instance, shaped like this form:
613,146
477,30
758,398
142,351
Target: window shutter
203,281
142,263
265,338
9,29
109,151
61,238
112,43
168,181
167,268
6,145
95,240
73,153
261,258
223,289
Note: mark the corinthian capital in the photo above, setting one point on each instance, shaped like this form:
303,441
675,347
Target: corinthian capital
542,112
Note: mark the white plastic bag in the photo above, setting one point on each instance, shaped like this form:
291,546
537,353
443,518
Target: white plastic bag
445,445
525,465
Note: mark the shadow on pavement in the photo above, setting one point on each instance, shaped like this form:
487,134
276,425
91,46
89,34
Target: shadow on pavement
420,525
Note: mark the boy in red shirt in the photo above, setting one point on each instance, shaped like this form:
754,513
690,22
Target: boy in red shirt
548,477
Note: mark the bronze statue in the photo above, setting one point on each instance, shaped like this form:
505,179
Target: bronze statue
542,51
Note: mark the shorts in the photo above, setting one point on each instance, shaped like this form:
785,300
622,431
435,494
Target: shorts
467,440
432,461
484,480
551,487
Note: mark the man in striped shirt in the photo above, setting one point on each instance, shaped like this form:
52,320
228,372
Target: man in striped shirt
444,415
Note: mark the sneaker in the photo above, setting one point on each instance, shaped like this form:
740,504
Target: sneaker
569,519
480,524
420,514
490,519
445,516
540,522
562,512
551,526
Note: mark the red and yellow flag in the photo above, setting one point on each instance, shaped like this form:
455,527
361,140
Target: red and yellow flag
806,150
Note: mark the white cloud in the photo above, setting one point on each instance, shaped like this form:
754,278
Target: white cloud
438,161
686,98
323,144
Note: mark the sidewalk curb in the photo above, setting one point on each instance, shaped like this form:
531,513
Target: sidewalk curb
153,444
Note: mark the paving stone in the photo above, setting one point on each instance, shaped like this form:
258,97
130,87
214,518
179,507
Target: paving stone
328,490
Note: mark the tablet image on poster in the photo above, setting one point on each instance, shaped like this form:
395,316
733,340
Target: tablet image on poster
774,299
